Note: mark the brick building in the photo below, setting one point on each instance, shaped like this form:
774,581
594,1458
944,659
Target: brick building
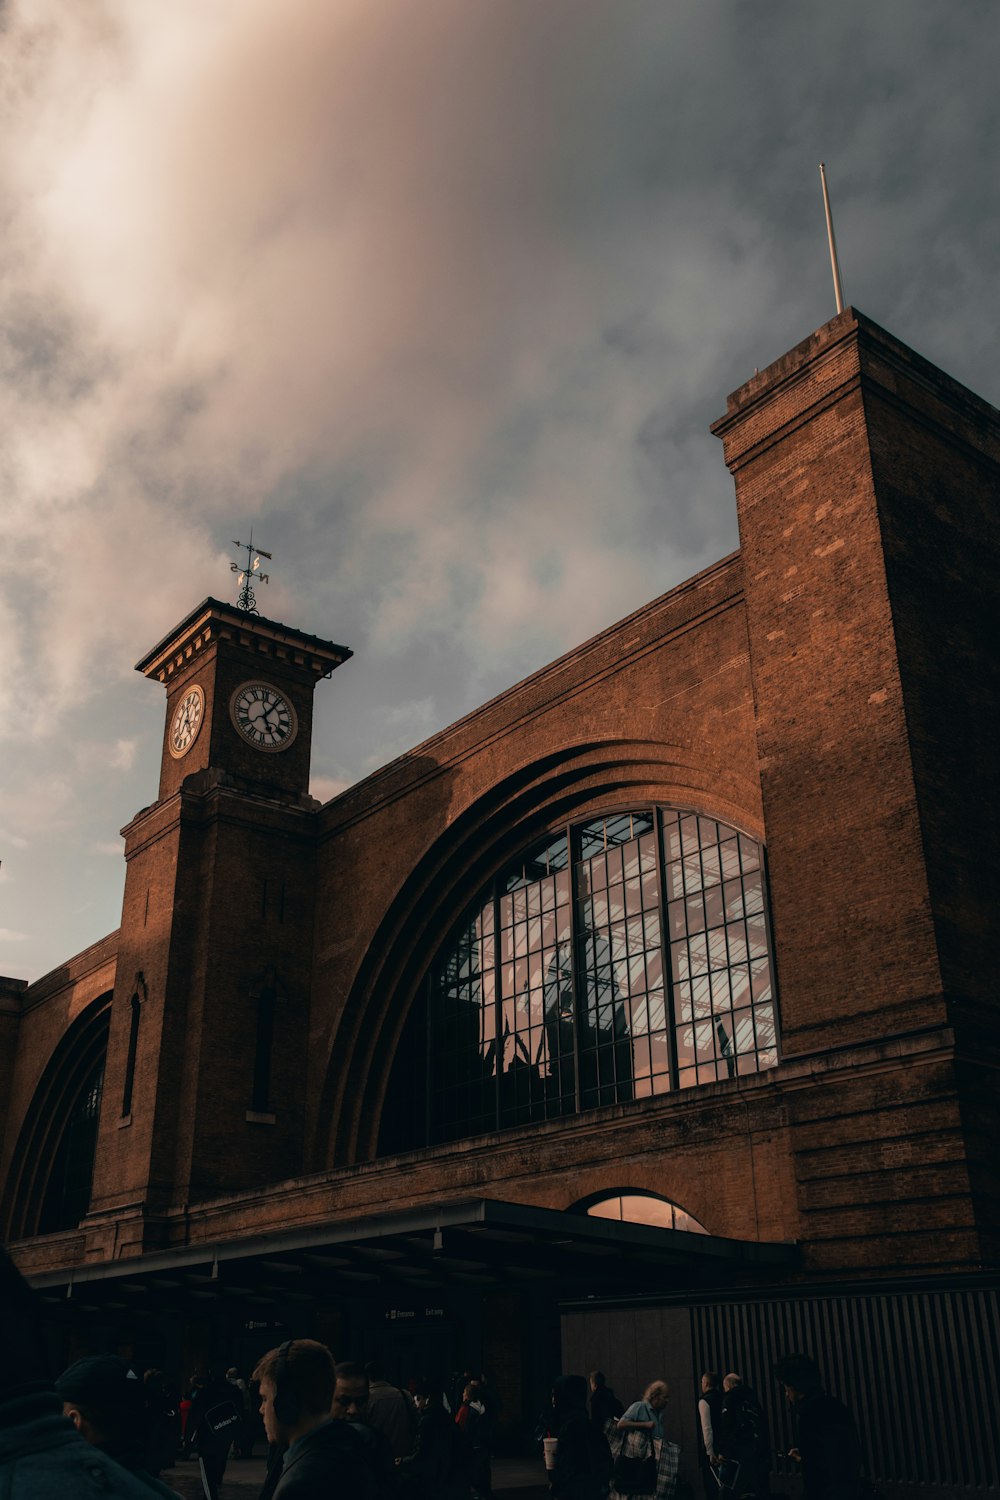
645,1017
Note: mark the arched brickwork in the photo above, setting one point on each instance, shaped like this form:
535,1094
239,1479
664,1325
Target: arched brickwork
79,1052
477,842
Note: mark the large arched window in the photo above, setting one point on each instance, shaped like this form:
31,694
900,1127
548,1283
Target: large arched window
619,958
53,1169
643,1208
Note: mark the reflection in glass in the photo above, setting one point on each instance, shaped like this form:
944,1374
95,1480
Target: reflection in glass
643,1208
561,991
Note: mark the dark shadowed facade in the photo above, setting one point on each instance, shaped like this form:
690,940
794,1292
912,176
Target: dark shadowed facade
645,1018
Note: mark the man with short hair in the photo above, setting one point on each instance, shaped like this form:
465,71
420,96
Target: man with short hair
350,1404
324,1458
390,1411
106,1404
604,1404
742,1440
710,1417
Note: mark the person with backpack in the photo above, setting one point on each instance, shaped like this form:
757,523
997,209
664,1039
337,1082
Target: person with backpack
212,1424
583,1458
742,1440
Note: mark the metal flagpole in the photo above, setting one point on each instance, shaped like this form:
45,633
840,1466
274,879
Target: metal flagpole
834,263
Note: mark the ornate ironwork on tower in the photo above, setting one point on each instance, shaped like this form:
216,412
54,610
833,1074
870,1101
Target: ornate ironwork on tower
246,599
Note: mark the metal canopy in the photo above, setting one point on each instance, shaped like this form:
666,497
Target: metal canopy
474,1244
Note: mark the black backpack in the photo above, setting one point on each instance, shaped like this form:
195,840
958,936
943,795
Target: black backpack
742,1422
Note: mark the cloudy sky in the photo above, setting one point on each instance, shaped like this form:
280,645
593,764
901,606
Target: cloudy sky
440,296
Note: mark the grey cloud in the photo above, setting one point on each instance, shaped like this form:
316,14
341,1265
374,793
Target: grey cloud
443,307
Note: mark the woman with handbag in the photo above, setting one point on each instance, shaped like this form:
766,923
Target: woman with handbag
646,1464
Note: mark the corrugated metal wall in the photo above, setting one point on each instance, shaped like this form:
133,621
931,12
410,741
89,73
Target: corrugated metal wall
920,1370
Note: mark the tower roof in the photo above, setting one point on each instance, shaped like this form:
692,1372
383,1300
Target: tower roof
213,620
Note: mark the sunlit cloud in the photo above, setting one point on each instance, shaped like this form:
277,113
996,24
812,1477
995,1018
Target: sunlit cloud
443,305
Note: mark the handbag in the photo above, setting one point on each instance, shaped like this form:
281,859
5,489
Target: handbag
636,1475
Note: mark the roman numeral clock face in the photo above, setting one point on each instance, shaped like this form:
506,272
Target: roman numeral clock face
263,716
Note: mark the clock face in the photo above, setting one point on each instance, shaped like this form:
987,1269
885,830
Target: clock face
263,716
186,722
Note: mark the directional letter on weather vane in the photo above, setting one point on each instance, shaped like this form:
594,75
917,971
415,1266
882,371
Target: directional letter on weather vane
247,600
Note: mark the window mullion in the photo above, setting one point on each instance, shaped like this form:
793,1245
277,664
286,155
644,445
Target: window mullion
575,939
668,968
497,1008
429,1030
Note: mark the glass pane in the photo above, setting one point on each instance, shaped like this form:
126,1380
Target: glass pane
739,979
760,974
732,893
710,865
757,936
753,892
695,913
736,938
749,853
708,832
714,914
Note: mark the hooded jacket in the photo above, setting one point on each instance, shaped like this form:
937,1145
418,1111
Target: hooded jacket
43,1457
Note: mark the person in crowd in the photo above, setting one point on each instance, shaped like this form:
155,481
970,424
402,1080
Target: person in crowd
709,1417
323,1459
457,1388
163,1427
470,1421
646,1415
742,1439
604,1404
828,1448
213,1421
489,1396
42,1455
644,1418
244,1433
106,1404
184,1411
390,1411
439,1467
583,1458
351,1400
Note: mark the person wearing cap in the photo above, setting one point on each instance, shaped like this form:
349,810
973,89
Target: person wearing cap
42,1456
105,1402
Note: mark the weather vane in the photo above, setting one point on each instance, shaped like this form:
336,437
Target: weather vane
247,600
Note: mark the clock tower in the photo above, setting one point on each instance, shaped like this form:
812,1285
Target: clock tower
210,1019
239,698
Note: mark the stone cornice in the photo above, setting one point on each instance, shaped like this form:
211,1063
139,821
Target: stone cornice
213,621
97,956
848,353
